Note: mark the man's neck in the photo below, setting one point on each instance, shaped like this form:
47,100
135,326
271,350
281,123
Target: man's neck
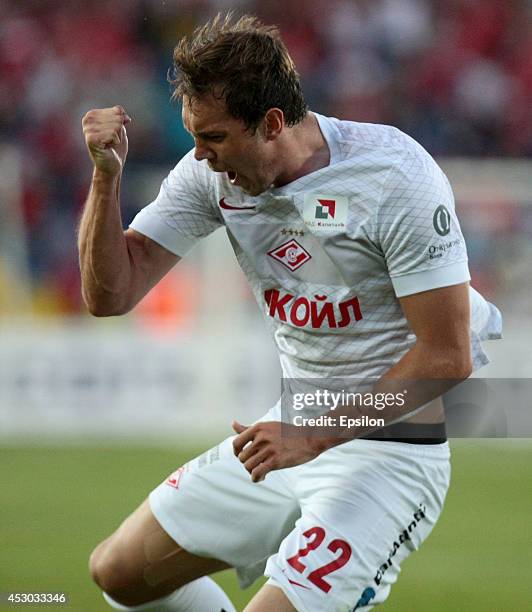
304,151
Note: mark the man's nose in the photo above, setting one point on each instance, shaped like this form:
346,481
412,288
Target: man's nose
202,152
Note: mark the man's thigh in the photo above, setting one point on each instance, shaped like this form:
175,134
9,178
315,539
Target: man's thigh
206,516
140,562
213,509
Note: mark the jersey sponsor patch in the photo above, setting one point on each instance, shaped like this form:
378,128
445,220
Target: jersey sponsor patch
325,212
318,312
442,220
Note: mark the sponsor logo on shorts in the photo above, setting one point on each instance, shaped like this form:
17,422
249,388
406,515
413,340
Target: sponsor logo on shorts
298,584
293,581
174,479
403,537
367,595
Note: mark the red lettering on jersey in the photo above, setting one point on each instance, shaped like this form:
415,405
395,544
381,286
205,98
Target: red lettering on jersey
318,312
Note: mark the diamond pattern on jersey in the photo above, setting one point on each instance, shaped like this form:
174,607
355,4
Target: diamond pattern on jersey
406,229
182,205
393,188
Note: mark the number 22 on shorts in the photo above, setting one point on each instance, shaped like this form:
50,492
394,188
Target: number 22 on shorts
316,537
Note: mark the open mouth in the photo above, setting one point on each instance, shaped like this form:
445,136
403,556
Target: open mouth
232,175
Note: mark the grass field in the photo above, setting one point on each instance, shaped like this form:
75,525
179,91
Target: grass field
58,502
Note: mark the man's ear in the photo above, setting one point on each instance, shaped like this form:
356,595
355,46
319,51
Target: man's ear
273,123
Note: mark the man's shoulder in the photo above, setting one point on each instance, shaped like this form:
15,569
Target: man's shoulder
369,134
189,164
190,174
378,141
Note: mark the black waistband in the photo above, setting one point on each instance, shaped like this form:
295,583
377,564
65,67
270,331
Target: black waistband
411,433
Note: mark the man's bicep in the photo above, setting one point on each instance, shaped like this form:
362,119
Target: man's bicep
149,263
441,316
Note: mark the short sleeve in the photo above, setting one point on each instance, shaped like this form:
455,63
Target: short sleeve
183,212
417,227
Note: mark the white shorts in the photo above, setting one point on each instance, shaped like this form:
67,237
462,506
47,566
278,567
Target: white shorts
331,533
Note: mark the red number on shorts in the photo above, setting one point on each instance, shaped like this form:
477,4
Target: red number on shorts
316,577
319,536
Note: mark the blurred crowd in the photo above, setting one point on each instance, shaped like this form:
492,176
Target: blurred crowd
456,75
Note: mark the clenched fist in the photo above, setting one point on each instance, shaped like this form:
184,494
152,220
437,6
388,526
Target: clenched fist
106,138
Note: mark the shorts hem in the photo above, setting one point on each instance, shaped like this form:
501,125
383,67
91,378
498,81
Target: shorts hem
284,585
170,525
246,576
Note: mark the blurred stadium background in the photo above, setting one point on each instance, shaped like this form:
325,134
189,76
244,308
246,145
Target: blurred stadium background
94,412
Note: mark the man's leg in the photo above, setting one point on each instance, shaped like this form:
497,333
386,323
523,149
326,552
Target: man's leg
205,511
270,598
140,563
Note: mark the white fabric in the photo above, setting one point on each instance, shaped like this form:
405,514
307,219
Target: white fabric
364,493
394,233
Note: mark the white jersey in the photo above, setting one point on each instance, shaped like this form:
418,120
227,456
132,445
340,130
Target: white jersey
328,255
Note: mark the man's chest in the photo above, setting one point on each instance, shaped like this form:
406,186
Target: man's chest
318,237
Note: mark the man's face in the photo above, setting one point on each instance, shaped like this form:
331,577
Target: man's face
227,146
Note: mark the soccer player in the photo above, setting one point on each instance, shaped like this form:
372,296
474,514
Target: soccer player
348,235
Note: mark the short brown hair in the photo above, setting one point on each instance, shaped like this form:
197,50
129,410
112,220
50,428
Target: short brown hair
243,62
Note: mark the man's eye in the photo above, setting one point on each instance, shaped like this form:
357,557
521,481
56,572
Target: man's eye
216,138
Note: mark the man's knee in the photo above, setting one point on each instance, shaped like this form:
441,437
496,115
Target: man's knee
109,569
118,564
132,579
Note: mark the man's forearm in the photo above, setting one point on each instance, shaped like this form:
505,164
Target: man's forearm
272,445
104,258
421,375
